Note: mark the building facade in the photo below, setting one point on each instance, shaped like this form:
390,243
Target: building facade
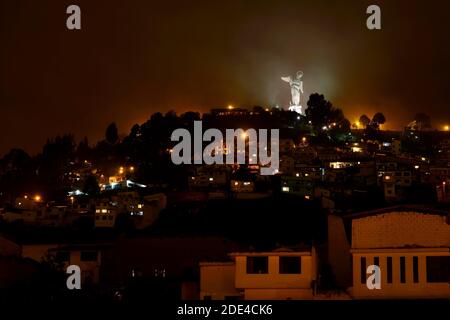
411,247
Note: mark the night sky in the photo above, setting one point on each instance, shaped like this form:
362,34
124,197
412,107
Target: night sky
133,58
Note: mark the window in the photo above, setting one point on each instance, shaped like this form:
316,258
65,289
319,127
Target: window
88,256
290,265
438,269
389,269
415,269
402,270
63,256
257,265
363,270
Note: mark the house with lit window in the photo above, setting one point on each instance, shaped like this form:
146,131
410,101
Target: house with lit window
410,244
394,183
105,214
282,274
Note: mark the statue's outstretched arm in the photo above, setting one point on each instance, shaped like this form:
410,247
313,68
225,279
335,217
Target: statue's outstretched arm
287,79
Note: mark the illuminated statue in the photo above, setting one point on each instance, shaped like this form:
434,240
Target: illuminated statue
296,89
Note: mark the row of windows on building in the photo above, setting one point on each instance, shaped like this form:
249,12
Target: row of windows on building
287,265
437,269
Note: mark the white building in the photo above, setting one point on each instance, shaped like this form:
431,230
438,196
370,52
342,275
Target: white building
276,275
410,245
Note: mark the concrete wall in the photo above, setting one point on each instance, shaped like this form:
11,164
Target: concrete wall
217,280
399,229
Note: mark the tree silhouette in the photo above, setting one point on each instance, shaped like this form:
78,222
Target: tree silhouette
111,134
328,122
378,119
91,186
364,120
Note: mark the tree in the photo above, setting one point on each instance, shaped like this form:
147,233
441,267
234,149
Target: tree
135,131
328,122
91,186
111,133
378,119
83,149
364,120
319,110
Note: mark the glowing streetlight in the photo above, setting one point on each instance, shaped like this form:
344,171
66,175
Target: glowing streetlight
37,198
131,168
230,107
244,135
447,128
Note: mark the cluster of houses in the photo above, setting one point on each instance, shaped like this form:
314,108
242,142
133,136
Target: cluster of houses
308,171
102,212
